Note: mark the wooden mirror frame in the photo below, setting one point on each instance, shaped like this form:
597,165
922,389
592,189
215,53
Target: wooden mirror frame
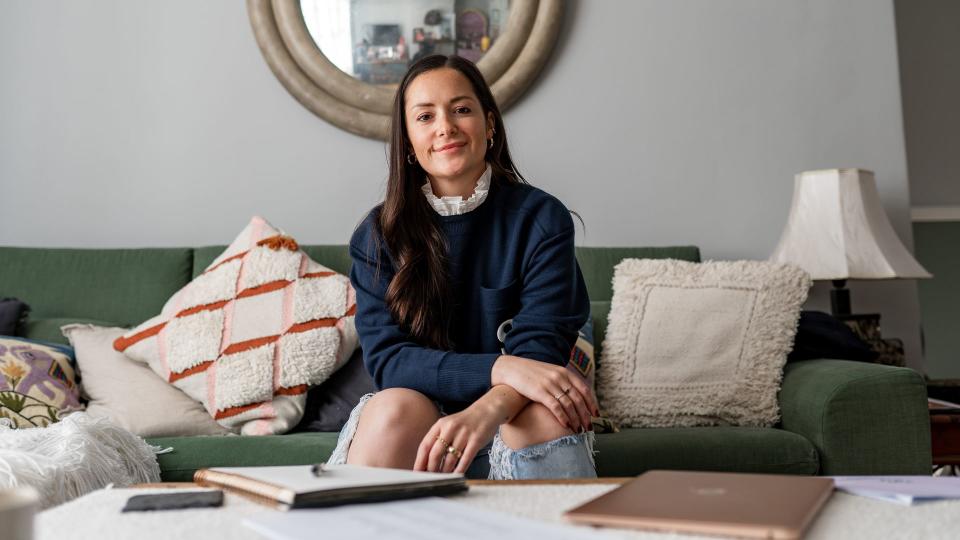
510,66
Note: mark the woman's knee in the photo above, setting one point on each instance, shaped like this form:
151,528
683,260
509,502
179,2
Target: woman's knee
390,427
534,424
399,408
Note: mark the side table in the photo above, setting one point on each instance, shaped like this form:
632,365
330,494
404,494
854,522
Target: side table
944,433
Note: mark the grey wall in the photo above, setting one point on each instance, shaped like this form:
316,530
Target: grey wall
660,122
929,44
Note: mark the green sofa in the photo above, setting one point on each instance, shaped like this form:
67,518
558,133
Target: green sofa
838,417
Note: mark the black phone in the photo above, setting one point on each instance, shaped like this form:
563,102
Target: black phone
174,501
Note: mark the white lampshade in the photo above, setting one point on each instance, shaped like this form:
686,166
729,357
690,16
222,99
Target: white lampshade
838,230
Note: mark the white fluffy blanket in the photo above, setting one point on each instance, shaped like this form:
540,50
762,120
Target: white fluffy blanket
73,457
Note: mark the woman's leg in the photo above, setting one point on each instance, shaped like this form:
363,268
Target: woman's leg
391,426
535,445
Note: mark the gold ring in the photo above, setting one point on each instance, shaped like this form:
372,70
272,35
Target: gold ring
454,451
443,442
565,390
560,395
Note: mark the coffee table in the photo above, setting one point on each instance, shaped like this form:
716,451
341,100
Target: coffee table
97,515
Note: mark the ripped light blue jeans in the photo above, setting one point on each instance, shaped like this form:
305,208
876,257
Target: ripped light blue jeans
570,456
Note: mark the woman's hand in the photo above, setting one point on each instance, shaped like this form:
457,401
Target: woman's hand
565,394
466,431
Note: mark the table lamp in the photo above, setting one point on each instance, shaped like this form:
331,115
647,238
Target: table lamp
837,230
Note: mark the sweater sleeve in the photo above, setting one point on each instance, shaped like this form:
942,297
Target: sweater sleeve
554,304
390,354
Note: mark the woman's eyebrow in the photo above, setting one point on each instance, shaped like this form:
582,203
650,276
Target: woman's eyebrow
454,100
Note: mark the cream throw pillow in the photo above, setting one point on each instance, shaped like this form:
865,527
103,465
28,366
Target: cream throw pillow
252,333
695,344
130,393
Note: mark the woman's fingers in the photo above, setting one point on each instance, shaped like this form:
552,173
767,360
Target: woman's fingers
583,411
571,409
452,459
469,452
423,451
550,401
591,401
437,454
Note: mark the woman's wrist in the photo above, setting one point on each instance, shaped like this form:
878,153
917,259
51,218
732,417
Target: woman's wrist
496,372
501,402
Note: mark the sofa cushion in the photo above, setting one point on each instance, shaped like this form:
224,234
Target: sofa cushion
129,393
249,335
192,453
48,329
37,382
628,453
734,449
125,286
699,344
13,316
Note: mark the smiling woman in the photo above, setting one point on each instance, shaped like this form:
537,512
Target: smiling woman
437,284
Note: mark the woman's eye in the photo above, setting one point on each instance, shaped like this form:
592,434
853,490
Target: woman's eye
423,117
463,110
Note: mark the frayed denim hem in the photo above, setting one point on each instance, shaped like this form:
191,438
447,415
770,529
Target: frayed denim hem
339,455
570,456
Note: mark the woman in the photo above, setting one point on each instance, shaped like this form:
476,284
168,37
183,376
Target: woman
460,250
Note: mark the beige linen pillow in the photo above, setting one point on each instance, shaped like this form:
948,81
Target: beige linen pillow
693,344
130,393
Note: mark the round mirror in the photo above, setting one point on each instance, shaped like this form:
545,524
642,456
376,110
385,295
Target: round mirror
342,59
375,41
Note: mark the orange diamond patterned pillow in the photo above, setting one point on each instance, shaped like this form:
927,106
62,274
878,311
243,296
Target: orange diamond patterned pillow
250,334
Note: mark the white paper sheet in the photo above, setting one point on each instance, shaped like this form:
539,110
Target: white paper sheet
421,519
901,489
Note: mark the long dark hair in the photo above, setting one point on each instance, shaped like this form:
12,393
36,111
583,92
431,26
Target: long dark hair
419,295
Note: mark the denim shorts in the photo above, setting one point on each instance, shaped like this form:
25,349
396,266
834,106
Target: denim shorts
570,456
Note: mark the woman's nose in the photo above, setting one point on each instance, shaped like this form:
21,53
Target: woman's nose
445,125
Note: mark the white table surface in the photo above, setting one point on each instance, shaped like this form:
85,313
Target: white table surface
97,515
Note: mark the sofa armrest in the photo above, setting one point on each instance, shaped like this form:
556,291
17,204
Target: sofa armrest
862,418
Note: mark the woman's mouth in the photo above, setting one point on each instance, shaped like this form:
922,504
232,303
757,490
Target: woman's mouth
450,147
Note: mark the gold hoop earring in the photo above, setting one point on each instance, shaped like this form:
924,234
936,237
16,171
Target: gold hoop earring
490,143
411,158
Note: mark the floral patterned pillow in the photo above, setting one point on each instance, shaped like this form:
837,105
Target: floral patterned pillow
37,382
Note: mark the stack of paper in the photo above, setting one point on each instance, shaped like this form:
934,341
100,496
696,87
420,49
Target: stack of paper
901,489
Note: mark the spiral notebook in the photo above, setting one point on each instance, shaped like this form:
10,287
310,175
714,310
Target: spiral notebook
296,486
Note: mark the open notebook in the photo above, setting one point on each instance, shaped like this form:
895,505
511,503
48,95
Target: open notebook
297,487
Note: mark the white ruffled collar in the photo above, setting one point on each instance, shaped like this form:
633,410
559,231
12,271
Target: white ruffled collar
455,205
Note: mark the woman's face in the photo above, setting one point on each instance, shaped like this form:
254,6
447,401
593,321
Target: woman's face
446,125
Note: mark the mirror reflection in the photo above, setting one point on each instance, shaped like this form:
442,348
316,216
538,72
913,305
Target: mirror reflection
376,40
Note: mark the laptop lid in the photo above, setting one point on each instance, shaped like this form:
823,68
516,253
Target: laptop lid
745,505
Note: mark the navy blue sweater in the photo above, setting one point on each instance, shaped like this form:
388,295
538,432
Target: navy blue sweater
512,257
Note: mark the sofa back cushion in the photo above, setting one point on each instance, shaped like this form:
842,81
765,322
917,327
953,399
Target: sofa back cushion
123,286
127,286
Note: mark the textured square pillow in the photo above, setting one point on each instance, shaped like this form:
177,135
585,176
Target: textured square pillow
693,344
250,334
129,393
37,382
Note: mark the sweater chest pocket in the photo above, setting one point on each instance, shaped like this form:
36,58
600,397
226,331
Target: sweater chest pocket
497,305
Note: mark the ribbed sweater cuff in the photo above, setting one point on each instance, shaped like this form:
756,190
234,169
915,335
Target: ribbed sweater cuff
465,377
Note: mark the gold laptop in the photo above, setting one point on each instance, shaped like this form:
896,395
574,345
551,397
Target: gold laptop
729,504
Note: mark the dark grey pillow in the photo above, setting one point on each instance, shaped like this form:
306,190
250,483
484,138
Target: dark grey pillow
13,315
329,404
